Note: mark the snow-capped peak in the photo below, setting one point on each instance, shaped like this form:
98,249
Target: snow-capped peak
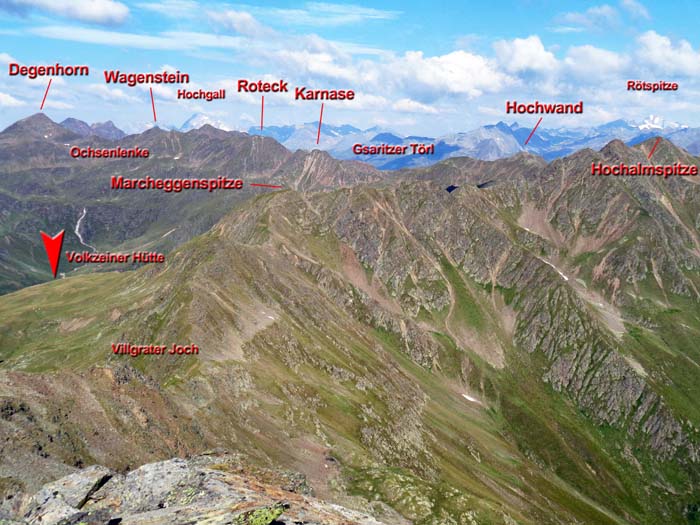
657,122
198,120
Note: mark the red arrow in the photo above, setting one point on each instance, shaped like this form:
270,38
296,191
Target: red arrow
53,247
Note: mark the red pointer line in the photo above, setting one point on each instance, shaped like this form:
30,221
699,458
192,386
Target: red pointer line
320,119
153,105
265,185
262,112
533,131
653,149
45,93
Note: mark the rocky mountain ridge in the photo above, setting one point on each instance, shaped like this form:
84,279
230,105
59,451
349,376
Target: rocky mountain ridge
43,188
488,142
519,350
105,130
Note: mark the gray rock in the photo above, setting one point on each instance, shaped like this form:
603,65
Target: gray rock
49,510
64,498
206,489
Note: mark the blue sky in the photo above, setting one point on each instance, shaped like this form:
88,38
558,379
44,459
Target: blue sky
416,68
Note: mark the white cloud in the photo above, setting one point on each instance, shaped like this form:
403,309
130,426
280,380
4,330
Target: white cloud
567,29
595,18
169,68
357,49
242,23
635,9
411,85
6,59
320,14
57,104
525,54
194,40
8,101
411,106
467,41
365,101
458,72
159,91
97,11
171,8
592,62
665,57
172,40
597,115
319,64
394,121
110,38
491,111
111,94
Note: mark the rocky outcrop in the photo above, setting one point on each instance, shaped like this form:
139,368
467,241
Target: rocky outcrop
61,499
588,365
212,489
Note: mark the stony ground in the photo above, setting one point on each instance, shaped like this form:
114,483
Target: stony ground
213,489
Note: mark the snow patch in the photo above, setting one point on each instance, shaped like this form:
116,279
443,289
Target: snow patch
557,269
198,120
472,399
656,122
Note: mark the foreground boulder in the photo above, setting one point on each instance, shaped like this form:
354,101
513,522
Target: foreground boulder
209,489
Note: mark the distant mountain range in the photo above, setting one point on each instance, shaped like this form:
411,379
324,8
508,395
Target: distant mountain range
490,142
106,130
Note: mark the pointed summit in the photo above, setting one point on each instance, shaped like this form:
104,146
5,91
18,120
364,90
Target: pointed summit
77,126
35,121
107,130
658,149
209,130
39,126
616,149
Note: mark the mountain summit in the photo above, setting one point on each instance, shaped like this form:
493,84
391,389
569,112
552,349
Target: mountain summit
198,120
106,130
